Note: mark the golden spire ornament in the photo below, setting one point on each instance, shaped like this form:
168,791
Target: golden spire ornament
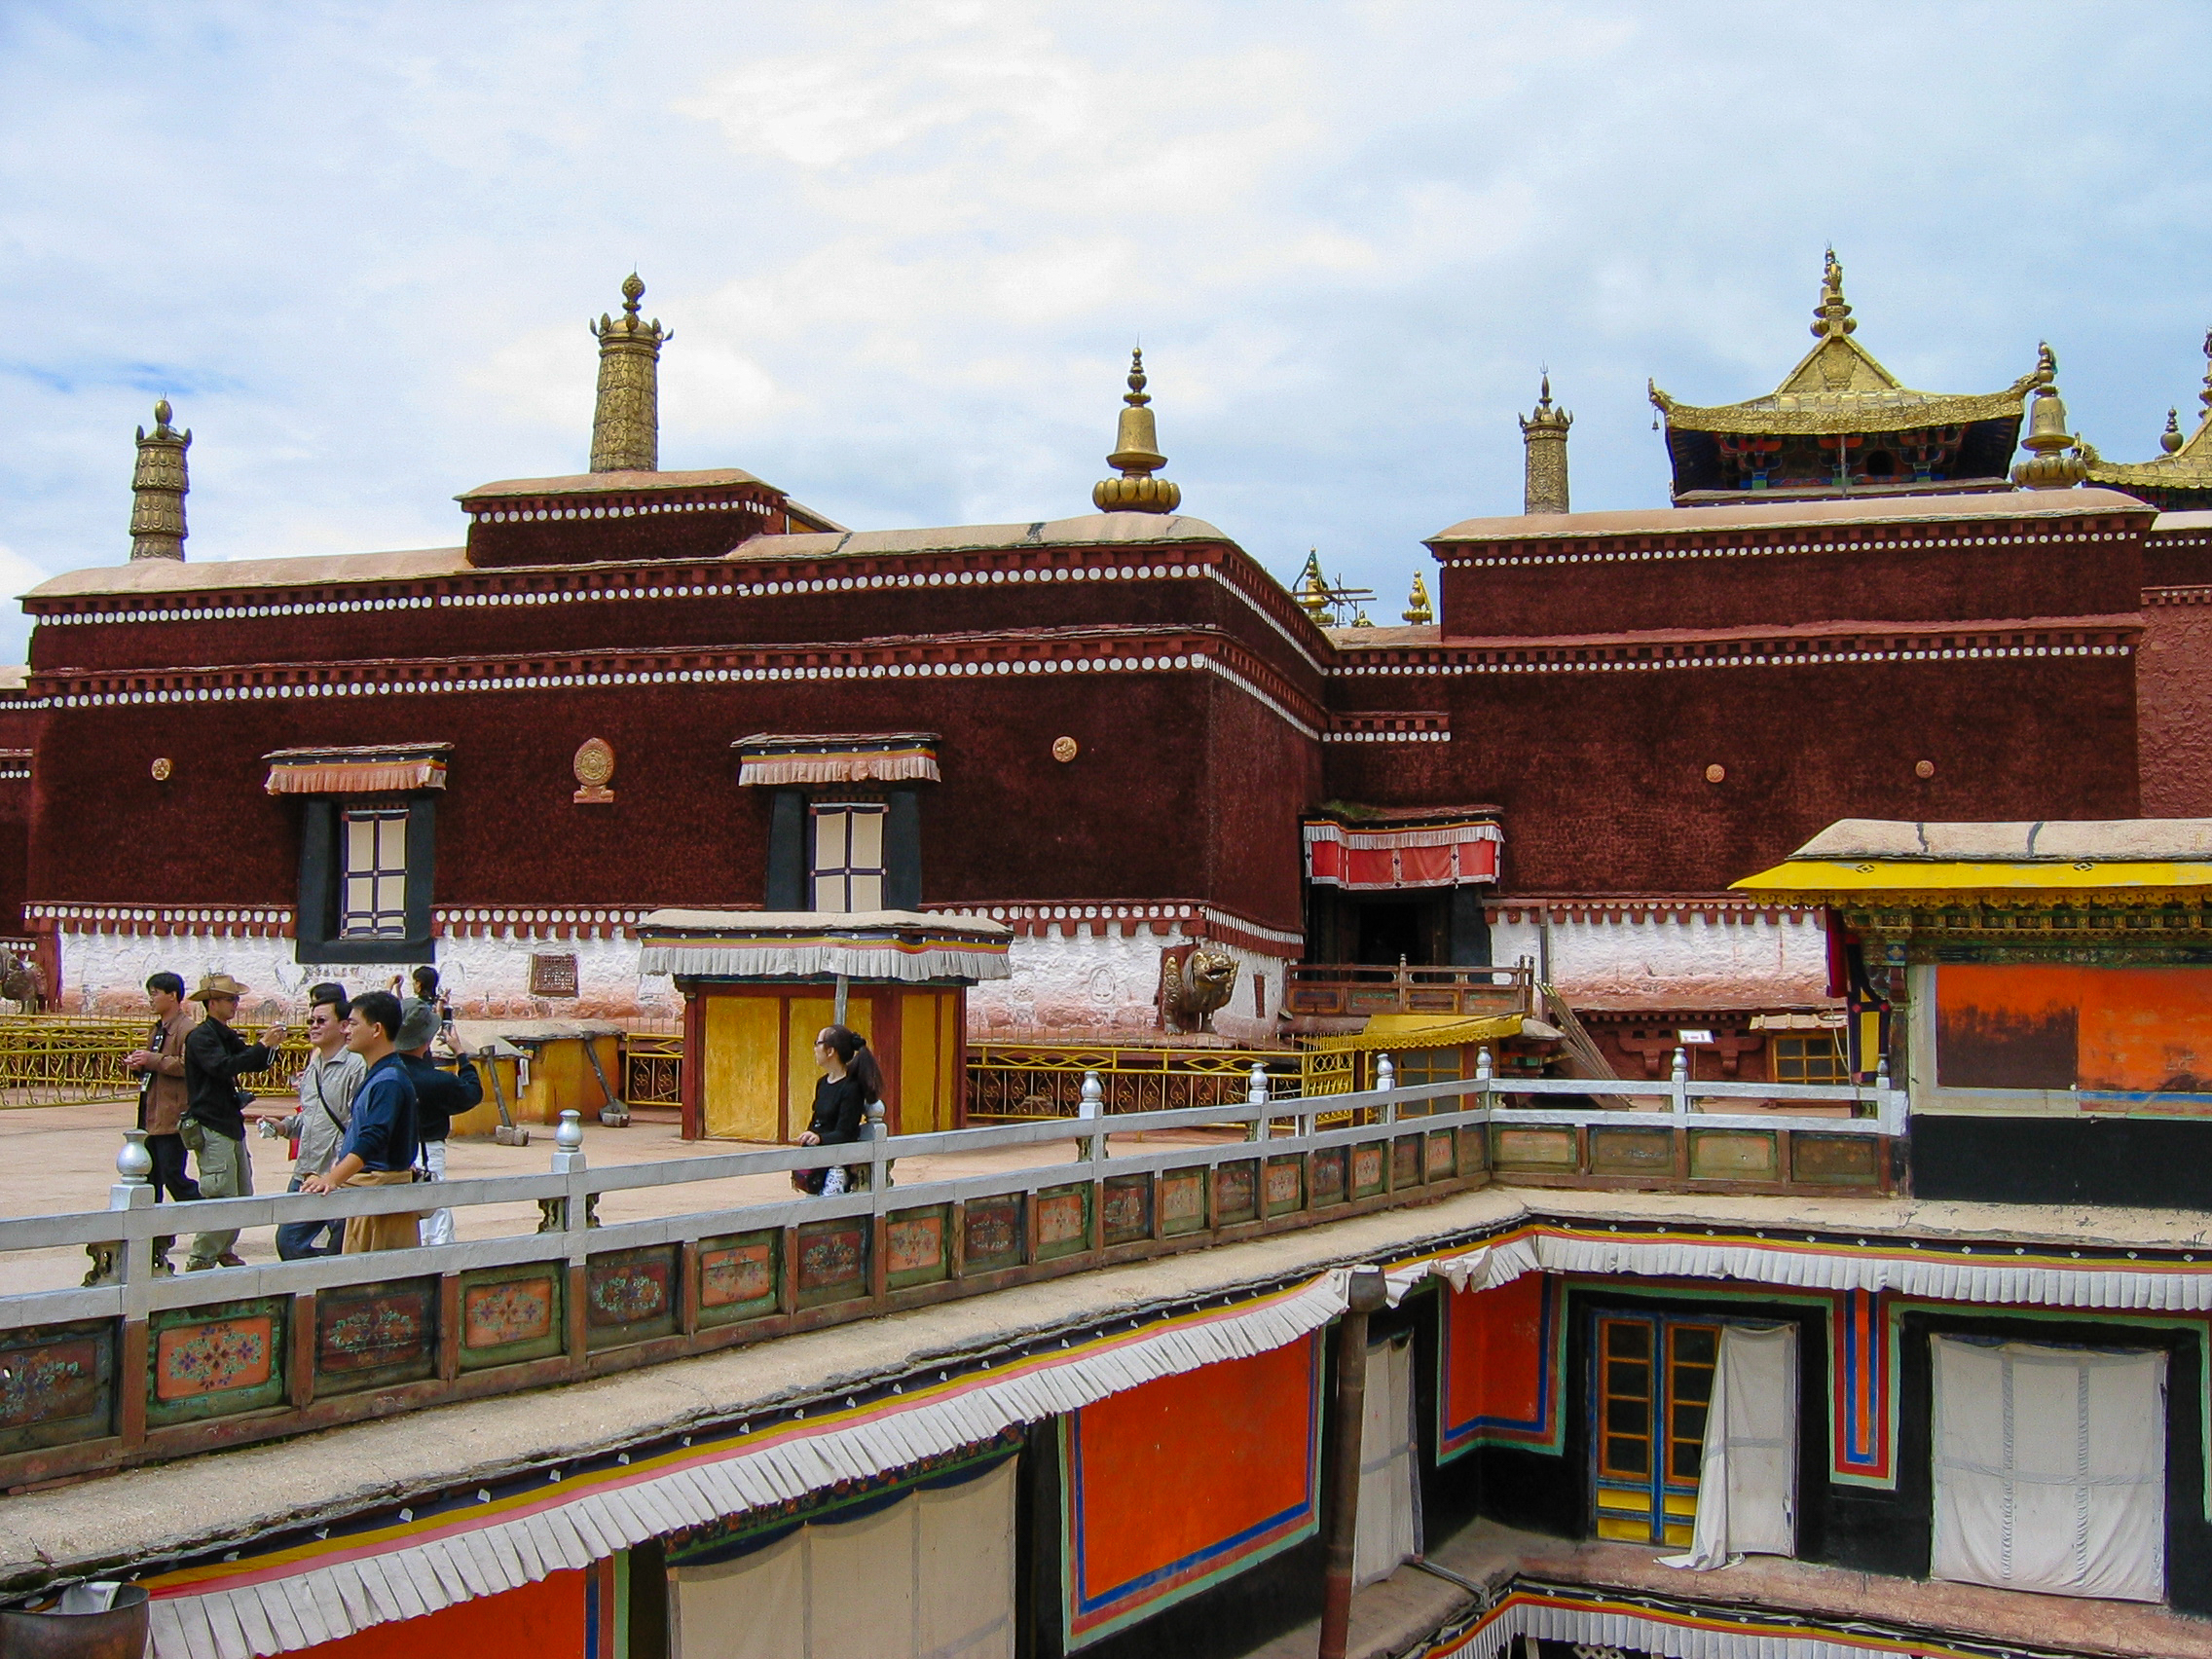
1417,611
1831,318
157,488
1136,453
2170,440
625,421
1313,589
2055,459
1543,435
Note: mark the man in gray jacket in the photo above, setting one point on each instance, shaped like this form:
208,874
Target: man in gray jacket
327,1083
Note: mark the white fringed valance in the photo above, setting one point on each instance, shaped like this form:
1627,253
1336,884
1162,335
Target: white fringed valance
856,959
330,1591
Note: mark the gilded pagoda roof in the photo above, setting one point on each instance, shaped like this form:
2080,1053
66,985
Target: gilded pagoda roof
1841,386
2185,464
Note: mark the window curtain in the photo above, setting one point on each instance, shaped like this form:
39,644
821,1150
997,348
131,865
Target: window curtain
928,1576
1746,1495
1388,1528
2050,1468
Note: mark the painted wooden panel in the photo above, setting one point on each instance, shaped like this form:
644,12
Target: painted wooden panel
1366,1169
833,1260
1835,1161
1128,1208
367,1336
1236,1190
217,1360
1063,1221
1286,1185
1474,1150
994,1234
1443,1160
1499,1359
1529,1146
510,1314
737,1276
1405,1161
1237,1445
57,1385
1182,1201
1328,1176
1737,1154
630,1295
742,1063
915,1246
1631,1152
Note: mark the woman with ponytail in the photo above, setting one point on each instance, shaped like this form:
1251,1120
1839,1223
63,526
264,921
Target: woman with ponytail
850,1083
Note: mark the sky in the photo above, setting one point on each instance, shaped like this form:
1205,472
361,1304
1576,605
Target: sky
906,247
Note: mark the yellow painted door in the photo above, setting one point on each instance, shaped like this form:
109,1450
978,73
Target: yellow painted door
740,1076
920,1109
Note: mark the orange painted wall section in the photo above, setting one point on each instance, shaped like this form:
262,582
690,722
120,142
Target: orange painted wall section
1173,1485
1498,1366
2109,1031
545,1620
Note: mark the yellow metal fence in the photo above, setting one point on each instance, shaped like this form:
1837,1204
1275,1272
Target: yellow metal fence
56,1060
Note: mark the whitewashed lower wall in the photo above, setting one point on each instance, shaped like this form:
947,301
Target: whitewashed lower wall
107,972
1062,982
1748,958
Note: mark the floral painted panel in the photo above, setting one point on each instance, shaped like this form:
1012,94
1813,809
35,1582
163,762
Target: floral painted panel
1366,1169
514,1311
732,1275
833,1260
375,1328
1236,1190
51,1378
1063,1222
1329,1175
994,1234
1183,1201
914,1244
1128,1208
629,1289
215,1357
1285,1185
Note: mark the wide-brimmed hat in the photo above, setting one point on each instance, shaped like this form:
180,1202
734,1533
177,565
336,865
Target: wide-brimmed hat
216,985
419,1022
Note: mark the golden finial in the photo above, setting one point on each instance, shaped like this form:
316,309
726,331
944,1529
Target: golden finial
2054,461
625,422
1543,434
2205,396
1417,611
1359,617
1313,589
157,488
2170,440
1832,320
1136,451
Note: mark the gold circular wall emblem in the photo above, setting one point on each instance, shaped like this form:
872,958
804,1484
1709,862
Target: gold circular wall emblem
1924,768
594,766
1717,773
1064,748
163,767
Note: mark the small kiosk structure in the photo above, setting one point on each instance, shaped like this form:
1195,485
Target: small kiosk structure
759,984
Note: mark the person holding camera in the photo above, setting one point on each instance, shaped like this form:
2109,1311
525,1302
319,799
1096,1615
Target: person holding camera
215,1059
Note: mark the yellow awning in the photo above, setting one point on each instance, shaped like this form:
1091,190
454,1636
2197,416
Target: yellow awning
1394,1031
1858,881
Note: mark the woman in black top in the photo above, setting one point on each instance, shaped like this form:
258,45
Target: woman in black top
851,1083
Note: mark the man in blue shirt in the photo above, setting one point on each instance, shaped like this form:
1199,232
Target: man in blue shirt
381,1138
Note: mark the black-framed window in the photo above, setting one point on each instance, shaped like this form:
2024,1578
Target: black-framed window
840,854
366,870
847,844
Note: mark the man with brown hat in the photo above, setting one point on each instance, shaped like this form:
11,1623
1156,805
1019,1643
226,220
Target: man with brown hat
216,1057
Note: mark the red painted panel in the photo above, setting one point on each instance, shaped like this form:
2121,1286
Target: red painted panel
539,1621
1497,1365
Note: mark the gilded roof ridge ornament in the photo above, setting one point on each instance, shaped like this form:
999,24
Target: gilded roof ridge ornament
625,422
1136,453
2055,458
1831,318
1419,612
1543,439
159,484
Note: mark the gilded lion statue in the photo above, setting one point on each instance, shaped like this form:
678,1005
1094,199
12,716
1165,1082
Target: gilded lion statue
1193,985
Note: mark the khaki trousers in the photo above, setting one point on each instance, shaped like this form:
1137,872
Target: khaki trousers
226,1171
402,1232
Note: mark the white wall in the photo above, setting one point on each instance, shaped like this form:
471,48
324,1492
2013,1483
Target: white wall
1083,983
1745,958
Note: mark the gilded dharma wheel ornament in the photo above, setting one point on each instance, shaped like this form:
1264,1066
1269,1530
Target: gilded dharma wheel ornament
594,767
162,769
1064,750
1717,773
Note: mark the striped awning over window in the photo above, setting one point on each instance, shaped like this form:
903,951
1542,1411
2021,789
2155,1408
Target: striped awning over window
380,768
1380,857
837,758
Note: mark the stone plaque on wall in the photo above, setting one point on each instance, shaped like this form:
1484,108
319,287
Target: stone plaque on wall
552,975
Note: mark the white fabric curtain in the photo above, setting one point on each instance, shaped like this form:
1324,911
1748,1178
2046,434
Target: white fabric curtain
1388,1529
1746,1493
2050,1469
930,1576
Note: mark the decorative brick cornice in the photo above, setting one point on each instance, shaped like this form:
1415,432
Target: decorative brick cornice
1755,543
1378,725
2164,596
1713,910
537,921
1042,651
162,921
1770,649
1104,917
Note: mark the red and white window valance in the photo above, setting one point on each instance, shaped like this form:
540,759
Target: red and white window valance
373,769
1385,858
837,758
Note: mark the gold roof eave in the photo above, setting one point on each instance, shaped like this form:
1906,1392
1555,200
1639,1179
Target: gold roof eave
1843,883
1826,413
2189,467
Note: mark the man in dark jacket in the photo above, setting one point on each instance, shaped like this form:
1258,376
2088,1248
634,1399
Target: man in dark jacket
380,1140
440,1097
216,1057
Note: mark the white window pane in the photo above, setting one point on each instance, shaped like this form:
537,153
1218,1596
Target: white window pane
867,891
868,840
829,895
360,843
830,839
391,843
